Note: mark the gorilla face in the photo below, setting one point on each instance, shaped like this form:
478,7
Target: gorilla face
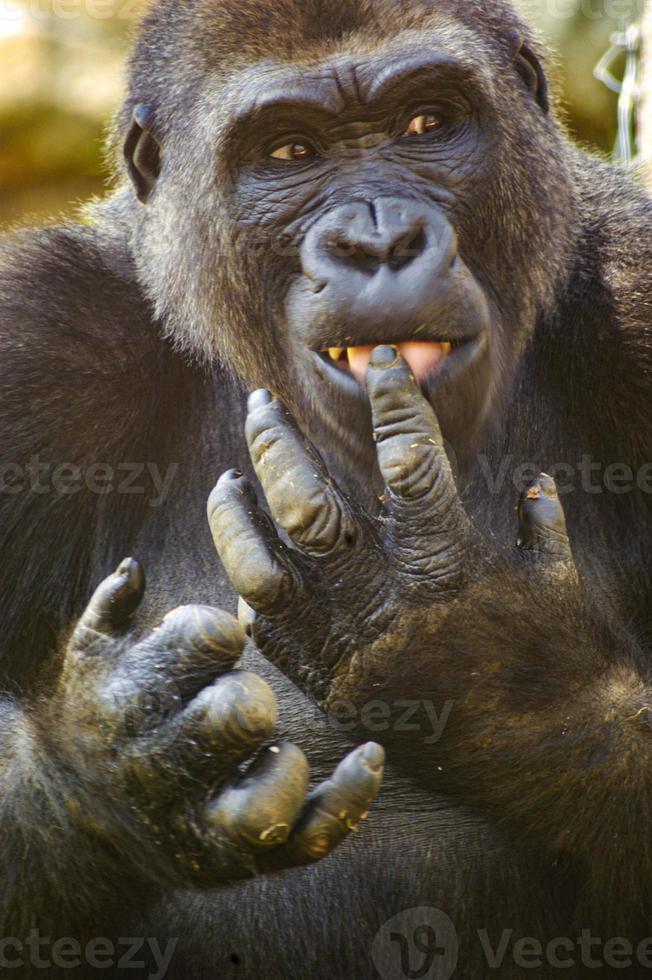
379,257
395,194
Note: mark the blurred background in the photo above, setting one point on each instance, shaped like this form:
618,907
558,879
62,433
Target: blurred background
61,75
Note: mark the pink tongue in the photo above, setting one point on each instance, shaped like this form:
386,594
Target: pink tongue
422,358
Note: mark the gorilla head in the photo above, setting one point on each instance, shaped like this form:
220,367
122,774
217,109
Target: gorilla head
320,177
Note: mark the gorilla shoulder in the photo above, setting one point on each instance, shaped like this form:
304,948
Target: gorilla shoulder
70,291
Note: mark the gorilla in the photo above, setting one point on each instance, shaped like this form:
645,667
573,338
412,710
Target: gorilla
353,263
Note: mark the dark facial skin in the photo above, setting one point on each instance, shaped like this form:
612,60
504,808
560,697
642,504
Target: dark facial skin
364,188
328,163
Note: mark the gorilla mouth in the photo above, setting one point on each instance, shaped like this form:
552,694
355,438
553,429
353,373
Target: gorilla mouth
424,358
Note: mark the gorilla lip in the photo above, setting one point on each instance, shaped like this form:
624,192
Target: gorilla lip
423,357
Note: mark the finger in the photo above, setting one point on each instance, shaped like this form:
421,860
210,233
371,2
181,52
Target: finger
113,604
333,810
246,617
430,523
155,679
225,724
542,524
255,559
192,646
260,810
302,498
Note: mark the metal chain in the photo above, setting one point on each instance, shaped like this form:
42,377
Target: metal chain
629,41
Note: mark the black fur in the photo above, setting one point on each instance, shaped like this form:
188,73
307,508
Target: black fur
130,338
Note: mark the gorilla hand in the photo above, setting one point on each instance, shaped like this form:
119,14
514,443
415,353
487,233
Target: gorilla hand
153,735
410,605
338,610
355,590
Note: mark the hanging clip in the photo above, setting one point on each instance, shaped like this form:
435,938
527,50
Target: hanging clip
628,41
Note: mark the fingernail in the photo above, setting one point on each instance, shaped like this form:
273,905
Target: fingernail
230,475
547,485
130,569
258,399
246,617
373,756
319,846
384,357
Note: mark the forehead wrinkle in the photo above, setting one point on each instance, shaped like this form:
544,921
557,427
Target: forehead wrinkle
270,85
351,75
363,63
413,52
403,71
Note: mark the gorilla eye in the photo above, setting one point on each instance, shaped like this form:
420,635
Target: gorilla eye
295,151
426,122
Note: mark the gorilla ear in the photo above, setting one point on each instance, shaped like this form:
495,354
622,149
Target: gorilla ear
529,68
142,152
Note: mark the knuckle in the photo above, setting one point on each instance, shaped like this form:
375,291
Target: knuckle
263,808
264,429
115,698
260,822
203,628
317,520
395,379
409,467
439,566
256,825
262,584
240,707
318,844
138,704
396,416
226,495
88,642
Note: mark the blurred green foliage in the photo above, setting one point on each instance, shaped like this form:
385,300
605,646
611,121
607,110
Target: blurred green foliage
49,159
61,70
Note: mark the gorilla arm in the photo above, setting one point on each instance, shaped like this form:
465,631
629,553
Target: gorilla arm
125,782
548,700
120,769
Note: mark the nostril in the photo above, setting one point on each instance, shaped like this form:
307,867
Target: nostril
368,252
352,253
409,247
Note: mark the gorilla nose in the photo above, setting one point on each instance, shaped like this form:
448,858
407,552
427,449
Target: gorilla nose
369,240
364,237
383,264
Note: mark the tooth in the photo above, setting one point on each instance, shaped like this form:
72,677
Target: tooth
335,353
447,346
359,358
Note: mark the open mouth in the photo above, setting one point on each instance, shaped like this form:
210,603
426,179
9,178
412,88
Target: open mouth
425,358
